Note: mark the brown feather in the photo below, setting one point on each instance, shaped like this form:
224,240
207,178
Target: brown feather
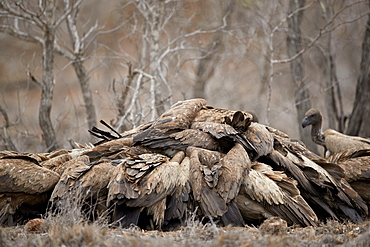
260,187
177,118
24,175
148,181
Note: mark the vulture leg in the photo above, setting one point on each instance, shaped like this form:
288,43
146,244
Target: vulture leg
124,216
233,216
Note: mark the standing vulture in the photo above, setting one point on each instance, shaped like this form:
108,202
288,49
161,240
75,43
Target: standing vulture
25,187
330,139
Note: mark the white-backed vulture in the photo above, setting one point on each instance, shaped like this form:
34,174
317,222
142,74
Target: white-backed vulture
265,193
84,182
25,186
149,182
215,181
356,167
330,139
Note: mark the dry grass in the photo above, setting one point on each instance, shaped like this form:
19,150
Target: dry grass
61,230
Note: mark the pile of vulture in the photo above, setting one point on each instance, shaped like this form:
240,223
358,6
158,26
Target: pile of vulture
194,160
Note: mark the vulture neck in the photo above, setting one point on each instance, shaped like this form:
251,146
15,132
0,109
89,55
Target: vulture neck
317,135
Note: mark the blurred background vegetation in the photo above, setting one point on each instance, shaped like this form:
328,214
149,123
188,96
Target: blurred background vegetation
67,64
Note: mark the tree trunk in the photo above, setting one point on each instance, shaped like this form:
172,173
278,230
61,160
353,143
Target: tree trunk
359,123
302,97
86,92
206,66
47,85
333,98
157,12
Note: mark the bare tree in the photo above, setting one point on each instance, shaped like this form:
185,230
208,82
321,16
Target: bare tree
164,45
360,117
41,23
9,145
44,20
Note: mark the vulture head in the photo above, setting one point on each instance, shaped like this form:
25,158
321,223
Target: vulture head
312,117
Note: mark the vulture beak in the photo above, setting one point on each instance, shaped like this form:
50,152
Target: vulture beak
305,122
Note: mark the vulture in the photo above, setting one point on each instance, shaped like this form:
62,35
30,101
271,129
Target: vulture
356,167
25,187
215,180
86,182
331,140
321,183
191,123
235,171
149,185
265,193
218,164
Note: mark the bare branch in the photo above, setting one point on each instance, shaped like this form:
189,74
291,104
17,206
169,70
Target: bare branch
323,31
133,100
67,12
21,35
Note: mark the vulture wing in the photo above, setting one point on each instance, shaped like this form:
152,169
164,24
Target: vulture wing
24,174
331,194
260,138
337,142
183,139
215,181
75,168
146,182
355,164
276,194
177,118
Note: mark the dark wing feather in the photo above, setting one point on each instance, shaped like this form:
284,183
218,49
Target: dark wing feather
75,168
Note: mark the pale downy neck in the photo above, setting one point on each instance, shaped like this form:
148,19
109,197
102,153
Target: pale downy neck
316,132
